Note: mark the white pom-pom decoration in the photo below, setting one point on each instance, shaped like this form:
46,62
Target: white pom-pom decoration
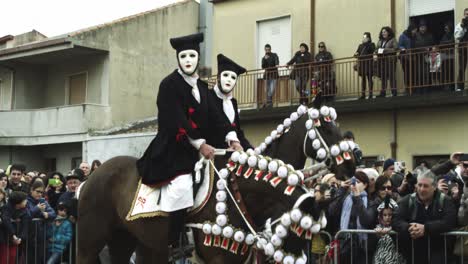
280,129
333,113
273,166
268,140
282,172
263,146
321,154
302,109
269,249
344,146
261,243
221,196
288,260
315,228
294,116
216,230
309,124
235,156
220,207
293,180
273,134
239,236
220,184
300,261
278,256
206,229
252,161
243,158
286,219
223,173
263,164
249,239
287,122
314,113
352,145
335,150
221,220
306,222
258,151
276,240
250,152
281,231
325,111
312,134
316,144
300,174
296,215
228,232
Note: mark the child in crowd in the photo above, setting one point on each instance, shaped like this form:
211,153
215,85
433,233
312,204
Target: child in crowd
386,252
435,61
60,234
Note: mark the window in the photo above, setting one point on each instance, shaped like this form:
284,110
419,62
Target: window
77,88
75,162
431,160
50,164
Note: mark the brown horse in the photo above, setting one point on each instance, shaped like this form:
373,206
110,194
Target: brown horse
107,196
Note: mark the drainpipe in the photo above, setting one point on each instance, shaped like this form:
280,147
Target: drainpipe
13,77
312,27
392,14
394,144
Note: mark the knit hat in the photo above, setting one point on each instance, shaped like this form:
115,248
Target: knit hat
388,163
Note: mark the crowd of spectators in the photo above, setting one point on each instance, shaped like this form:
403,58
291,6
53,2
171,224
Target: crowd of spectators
409,210
427,63
38,212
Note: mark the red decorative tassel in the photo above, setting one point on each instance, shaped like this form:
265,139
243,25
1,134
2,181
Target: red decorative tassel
299,230
346,155
239,170
191,110
208,240
244,249
233,125
317,122
293,228
289,190
327,119
259,175
217,241
194,126
234,247
276,180
339,159
231,165
225,243
308,235
268,176
248,173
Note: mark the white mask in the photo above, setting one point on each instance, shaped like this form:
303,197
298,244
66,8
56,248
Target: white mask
188,61
228,80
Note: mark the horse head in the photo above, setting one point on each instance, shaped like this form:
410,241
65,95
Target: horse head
311,133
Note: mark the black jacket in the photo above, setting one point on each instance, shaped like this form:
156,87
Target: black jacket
364,55
438,218
270,64
423,40
180,116
303,69
8,228
217,135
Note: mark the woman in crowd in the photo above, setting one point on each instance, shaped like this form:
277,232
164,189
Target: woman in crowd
55,188
300,73
364,64
386,58
94,165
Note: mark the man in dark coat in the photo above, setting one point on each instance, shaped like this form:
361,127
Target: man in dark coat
222,104
422,42
169,160
301,72
422,217
270,63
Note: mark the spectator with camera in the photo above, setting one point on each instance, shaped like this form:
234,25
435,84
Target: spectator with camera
422,216
55,188
462,37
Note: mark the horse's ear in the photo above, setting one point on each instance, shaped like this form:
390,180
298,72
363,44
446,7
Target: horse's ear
318,101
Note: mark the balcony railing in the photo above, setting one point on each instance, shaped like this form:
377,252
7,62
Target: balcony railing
399,73
62,120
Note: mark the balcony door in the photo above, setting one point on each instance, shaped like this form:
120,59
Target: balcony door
77,88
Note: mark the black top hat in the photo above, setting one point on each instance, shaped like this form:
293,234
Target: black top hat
75,174
226,64
189,42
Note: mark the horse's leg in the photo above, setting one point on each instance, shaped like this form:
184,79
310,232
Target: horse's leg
90,244
121,247
147,255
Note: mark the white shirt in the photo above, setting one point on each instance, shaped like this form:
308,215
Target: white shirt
228,109
459,32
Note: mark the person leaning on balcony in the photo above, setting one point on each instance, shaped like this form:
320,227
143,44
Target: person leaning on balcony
447,46
423,43
420,220
300,73
405,45
386,59
462,36
270,63
364,65
323,64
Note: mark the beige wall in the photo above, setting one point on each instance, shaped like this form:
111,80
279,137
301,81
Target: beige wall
426,131
235,27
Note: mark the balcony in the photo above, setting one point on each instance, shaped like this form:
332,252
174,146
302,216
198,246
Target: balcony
57,122
410,83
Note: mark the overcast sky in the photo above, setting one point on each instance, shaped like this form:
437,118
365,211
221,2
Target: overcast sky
56,17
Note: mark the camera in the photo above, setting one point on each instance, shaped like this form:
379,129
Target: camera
465,22
399,166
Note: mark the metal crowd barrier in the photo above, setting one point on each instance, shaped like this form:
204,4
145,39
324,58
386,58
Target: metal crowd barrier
35,249
459,258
